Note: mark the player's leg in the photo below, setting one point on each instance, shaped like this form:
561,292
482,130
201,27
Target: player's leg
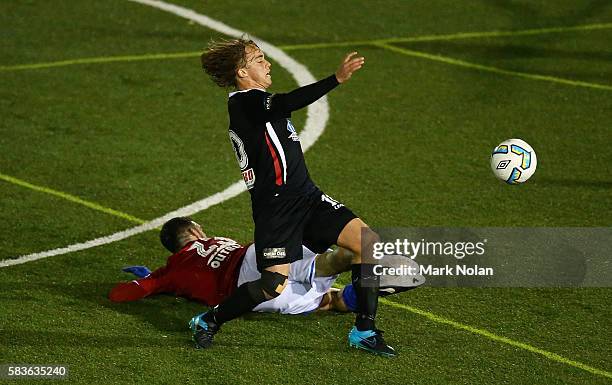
310,284
333,223
333,262
357,237
353,236
273,281
345,299
246,297
305,290
278,242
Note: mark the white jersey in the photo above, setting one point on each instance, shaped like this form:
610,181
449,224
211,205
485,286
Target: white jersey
303,292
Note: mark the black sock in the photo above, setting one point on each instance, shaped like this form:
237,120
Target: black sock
239,303
366,285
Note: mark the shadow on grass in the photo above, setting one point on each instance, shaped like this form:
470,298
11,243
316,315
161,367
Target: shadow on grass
573,183
505,50
531,13
165,313
92,338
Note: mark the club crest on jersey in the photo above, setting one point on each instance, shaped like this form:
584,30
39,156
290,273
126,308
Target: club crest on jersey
249,178
334,203
294,136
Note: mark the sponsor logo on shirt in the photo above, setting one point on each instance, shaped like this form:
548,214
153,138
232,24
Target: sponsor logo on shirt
268,102
274,252
249,178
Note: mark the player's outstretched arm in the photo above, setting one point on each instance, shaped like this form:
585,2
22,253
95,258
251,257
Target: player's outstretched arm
130,291
140,288
306,95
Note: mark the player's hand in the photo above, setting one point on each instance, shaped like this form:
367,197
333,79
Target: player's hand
349,65
139,271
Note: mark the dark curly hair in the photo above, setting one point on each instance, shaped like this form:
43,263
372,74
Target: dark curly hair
223,58
172,230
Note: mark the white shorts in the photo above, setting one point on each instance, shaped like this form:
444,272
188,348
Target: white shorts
303,292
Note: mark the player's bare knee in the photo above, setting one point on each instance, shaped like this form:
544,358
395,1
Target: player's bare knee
359,238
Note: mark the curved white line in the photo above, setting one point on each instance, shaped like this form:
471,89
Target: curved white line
317,116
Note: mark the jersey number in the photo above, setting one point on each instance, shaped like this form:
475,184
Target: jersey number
217,252
238,145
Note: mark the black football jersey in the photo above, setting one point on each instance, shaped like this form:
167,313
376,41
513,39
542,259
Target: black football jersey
265,141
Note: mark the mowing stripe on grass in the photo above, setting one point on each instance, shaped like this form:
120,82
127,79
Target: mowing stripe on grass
447,37
524,32
316,120
462,63
71,198
551,356
99,60
452,36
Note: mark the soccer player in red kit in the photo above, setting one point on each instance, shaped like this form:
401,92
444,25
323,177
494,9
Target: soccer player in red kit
209,269
205,270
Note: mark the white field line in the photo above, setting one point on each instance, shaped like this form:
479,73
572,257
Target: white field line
317,116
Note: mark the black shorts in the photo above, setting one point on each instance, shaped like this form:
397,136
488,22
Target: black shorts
281,228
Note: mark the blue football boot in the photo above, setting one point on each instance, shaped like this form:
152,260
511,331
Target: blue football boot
371,341
202,331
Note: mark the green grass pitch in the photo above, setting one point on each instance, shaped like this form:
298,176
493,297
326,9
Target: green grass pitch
141,132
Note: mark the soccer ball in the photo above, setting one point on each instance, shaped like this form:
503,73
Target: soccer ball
513,161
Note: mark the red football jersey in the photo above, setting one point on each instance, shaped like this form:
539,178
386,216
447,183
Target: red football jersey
206,271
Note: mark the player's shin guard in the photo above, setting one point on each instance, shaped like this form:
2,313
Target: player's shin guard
365,284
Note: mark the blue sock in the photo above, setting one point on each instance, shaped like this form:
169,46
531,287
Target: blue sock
350,297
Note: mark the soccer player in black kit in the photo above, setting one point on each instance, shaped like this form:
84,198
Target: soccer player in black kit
288,208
